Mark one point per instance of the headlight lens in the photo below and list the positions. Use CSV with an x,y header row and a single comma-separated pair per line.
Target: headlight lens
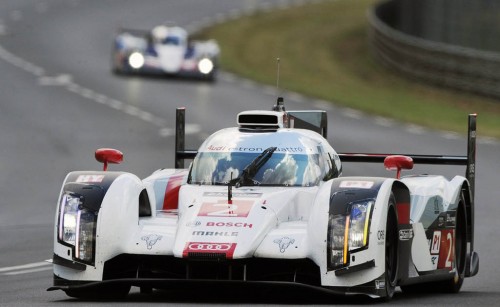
x,y
360,218
77,227
85,243
348,233
336,241
205,66
136,60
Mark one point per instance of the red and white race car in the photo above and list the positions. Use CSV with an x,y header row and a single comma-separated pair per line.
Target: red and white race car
x,y
265,203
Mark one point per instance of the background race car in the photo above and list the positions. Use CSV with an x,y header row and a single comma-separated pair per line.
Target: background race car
x,y
264,204
165,50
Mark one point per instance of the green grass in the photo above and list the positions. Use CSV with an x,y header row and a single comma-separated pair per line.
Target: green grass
x,y
324,53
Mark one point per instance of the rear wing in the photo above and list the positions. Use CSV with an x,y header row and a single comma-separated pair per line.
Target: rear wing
x,y
469,160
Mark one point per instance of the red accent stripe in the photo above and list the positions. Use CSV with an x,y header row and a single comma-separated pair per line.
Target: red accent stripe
x,y
171,199
403,213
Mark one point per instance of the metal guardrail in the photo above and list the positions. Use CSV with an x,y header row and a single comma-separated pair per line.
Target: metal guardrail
x,y
439,63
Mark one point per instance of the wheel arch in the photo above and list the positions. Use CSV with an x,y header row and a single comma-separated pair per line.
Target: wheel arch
x,y
472,258
401,195
469,212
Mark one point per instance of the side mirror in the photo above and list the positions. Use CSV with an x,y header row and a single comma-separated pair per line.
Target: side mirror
x,y
108,155
398,163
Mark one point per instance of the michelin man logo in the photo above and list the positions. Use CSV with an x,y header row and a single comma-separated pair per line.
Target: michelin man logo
x,y
151,240
284,243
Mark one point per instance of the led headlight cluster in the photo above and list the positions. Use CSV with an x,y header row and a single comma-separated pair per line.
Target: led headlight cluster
x,y
348,233
76,227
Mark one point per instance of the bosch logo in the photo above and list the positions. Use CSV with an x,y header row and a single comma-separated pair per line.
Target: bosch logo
x,y
229,224
220,247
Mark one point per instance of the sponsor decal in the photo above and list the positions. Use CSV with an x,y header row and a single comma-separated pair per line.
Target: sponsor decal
x,y
90,178
224,194
379,284
229,224
209,248
381,235
151,240
215,233
238,208
436,242
284,243
258,149
435,260
405,234
360,184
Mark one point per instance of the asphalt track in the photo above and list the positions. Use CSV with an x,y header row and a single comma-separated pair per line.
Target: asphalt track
x,y
59,102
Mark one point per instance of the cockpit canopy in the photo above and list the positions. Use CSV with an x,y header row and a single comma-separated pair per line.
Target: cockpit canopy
x,y
300,158
173,36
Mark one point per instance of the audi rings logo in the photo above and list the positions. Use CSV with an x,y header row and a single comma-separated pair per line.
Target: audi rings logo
x,y
209,248
215,247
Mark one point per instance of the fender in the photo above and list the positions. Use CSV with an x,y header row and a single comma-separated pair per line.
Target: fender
x,y
91,185
116,199
369,264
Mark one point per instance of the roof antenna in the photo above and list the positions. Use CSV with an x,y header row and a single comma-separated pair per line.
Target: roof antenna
x,y
280,105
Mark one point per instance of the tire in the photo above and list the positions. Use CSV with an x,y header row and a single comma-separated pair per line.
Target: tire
x,y
452,285
391,251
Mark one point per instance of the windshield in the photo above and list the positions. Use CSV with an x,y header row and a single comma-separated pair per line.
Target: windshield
x,y
171,40
282,169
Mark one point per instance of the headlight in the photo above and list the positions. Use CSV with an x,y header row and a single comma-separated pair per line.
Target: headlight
x,y
348,233
136,60
337,245
358,230
205,66
77,227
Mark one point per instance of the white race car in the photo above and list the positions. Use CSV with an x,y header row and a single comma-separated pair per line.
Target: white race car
x,y
264,203
165,50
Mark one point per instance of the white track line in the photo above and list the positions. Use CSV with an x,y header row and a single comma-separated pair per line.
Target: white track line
x,y
25,267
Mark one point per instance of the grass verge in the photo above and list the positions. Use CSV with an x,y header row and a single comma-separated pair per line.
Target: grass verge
x,y
324,54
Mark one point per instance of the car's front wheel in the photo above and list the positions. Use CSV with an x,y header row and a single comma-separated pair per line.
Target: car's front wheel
x,y
391,251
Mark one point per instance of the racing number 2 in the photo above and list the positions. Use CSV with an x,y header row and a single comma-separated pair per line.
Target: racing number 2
x,y
239,208
446,256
